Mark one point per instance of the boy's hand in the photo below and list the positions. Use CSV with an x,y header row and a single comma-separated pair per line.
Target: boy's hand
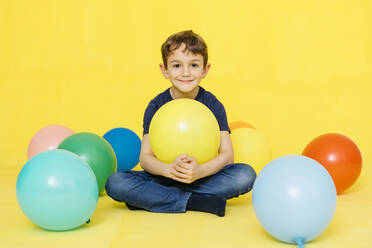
x,y
185,169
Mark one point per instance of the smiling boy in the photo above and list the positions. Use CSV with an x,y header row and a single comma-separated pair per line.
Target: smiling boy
x,y
184,184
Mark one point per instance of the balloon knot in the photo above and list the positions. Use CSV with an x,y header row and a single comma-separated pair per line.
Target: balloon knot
x,y
300,242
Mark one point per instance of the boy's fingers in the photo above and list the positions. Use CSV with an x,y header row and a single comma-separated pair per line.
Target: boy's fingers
x,y
179,162
192,159
182,157
179,175
179,159
185,160
181,180
186,166
182,170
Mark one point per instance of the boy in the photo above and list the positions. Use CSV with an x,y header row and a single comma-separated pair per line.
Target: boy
x,y
184,184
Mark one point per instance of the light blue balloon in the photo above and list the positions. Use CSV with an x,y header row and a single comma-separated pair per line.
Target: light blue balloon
x,y
294,198
57,190
126,145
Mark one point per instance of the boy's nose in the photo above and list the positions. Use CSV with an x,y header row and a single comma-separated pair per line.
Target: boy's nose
x,y
185,71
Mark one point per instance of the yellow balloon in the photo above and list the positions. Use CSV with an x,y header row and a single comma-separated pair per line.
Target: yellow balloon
x,y
184,126
250,147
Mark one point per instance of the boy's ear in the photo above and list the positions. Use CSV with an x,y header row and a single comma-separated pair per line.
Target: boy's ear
x,y
206,69
164,71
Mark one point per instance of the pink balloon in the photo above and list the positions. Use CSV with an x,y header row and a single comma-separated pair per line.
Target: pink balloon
x,y
47,138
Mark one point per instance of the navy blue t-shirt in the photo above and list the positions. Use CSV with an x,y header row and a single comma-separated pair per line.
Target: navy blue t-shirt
x,y
205,97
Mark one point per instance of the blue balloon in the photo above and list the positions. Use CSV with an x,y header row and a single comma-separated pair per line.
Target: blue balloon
x,y
126,145
57,190
294,198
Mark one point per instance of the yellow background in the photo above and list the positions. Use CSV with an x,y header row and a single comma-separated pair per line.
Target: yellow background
x,y
292,69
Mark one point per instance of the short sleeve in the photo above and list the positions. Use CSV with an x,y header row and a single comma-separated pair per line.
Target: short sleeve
x,y
149,113
220,113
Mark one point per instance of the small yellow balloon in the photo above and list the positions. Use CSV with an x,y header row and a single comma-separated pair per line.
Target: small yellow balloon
x,y
250,147
184,126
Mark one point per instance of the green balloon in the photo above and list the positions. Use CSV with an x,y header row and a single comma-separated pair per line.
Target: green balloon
x,y
95,151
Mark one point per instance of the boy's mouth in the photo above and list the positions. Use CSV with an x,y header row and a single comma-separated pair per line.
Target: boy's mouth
x,y
186,81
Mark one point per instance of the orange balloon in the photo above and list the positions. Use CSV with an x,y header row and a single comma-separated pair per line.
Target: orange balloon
x,y
339,155
238,124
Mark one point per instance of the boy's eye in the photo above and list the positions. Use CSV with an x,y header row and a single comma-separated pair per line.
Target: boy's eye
x,y
195,65
176,65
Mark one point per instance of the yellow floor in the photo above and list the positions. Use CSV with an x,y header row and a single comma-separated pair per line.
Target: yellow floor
x,y
113,225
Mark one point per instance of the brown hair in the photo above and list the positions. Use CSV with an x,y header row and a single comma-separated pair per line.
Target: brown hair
x,y
193,43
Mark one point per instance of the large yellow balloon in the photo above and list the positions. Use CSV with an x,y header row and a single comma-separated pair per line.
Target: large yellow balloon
x,y
184,126
250,147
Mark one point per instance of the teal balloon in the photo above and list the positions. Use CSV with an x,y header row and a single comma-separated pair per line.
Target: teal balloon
x,y
95,151
57,190
294,198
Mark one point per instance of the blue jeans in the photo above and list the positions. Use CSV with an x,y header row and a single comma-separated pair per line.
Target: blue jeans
x,y
142,190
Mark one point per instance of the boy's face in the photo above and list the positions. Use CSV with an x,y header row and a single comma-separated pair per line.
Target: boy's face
x,y
185,70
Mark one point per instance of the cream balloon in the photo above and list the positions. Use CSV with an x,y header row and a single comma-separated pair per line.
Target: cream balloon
x,y
250,147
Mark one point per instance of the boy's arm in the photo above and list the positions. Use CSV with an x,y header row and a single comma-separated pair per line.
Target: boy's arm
x,y
149,162
225,157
